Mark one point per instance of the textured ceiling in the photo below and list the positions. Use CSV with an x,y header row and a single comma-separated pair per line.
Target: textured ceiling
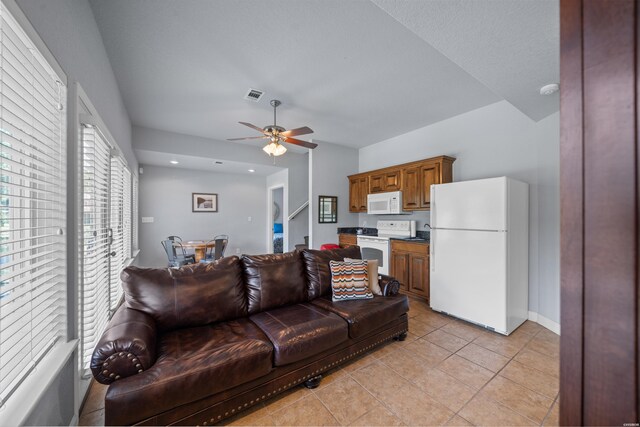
x,y
512,46
354,71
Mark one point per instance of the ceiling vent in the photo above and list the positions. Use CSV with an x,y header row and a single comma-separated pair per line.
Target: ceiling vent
x,y
254,95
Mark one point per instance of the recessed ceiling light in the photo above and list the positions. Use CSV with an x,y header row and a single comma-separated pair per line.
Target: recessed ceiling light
x,y
252,170
174,162
549,89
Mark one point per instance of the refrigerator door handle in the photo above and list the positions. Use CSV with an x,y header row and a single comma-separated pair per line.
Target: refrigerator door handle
x,y
432,206
432,252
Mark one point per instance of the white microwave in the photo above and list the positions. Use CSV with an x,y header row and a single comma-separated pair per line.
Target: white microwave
x,y
385,203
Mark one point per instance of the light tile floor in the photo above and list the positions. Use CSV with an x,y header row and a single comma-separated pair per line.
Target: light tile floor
x,y
447,372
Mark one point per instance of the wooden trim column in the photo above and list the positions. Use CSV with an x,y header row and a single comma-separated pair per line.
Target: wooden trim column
x,y
599,161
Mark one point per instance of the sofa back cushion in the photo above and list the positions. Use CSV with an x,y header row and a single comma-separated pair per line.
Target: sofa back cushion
x,y
194,295
318,271
274,280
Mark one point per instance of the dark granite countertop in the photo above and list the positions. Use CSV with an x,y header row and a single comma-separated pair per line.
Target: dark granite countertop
x,y
421,236
354,230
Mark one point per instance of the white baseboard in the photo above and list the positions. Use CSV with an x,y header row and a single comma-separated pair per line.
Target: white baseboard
x,y
543,321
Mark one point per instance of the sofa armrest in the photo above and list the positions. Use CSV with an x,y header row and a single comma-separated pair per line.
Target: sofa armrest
x,y
389,285
127,346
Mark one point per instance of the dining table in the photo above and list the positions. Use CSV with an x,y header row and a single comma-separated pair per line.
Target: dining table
x,y
199,247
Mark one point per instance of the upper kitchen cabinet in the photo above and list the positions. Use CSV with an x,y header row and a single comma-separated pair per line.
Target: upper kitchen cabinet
x,y
358,191
386,180
413,179
417,178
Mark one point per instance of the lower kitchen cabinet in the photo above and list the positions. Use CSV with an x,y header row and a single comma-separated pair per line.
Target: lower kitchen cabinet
x,y
345,240
410,266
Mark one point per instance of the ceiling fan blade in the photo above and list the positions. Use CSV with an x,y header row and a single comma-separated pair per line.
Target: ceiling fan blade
x,y
252,126
300,142
249,137
295,132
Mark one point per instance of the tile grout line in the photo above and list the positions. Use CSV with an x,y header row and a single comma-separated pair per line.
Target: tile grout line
x,y
522,385
395,414
546,417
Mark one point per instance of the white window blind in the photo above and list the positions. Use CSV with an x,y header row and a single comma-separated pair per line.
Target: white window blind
x,y
120,225
32,206
94,259
134,216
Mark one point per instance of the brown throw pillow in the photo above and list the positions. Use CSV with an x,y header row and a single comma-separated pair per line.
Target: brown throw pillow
x,y
372,273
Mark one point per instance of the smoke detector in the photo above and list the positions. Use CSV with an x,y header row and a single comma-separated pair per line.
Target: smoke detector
x,y
254,95
549,89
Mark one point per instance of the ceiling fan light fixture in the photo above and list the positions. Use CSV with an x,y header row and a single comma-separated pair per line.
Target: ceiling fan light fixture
x,y
274,149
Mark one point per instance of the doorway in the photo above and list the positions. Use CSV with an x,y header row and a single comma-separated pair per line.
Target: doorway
x,y
276,218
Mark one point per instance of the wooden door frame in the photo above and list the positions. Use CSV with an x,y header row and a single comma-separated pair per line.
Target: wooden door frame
x,y
599,183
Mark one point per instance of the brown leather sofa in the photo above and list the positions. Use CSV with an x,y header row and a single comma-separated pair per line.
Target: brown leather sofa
x,y
199,344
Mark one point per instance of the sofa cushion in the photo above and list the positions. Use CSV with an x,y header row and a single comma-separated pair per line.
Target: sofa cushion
x,y
318,271
274,280
365,316
349,280
299,331
190,296
194,363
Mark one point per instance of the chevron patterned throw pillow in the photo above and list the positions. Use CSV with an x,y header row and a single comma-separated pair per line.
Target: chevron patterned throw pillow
x,y
349,280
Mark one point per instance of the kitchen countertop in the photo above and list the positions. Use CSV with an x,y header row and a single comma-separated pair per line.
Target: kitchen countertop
x,y
421,236
354,230
416,239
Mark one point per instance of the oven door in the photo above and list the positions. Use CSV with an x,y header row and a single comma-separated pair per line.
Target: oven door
x,y
375,248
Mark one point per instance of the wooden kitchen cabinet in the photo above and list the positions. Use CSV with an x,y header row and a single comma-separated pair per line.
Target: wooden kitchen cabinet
x,y
418,177
346,240
430,173
411,189
413,179
387,180
358,191
399,268
410,266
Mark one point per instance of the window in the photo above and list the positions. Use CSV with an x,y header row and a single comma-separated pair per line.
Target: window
x,y
134,216
32,206
105,236
94,264
120,225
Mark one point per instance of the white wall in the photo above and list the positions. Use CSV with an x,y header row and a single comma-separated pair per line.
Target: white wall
x,y
329,166
493,141
298,179
165,194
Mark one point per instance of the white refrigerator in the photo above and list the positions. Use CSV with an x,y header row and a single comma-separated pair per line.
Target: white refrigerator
x,y
479,252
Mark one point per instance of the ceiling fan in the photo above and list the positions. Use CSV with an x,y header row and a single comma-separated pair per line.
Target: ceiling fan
x,y
277,134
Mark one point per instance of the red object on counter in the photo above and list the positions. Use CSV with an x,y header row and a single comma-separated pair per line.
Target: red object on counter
x,y
329,246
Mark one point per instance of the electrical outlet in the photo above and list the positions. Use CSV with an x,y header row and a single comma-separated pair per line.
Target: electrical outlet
x,y
237,250
147,219
249,219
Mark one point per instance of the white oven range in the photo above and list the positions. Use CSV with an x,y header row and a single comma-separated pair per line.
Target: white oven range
x,y
379,247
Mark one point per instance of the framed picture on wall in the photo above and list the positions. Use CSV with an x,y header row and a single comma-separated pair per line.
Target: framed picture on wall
x,y
327,209
204,202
